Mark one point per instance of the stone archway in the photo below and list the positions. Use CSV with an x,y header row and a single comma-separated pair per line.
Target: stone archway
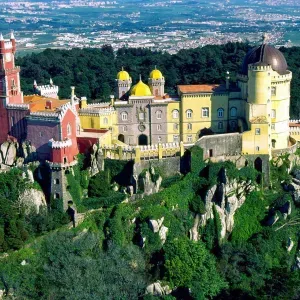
x,y
121,138
143,140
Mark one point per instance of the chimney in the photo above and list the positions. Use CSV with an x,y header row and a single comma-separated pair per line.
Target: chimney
x,y
72,95
112,100
48,104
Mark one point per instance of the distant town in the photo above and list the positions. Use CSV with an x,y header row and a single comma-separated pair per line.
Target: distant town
x,y
159,25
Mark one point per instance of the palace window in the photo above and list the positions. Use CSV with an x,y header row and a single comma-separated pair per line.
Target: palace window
x,y
189,114
159,127
189,126
220,125
220,113
175,138
159,139
205,112
233,112
273,113
56,181
175,114
273,90
273,126
190,138
257,148
257,131
124,128
105,121
41,134
69,129
141,116
158,114
124,116
176,126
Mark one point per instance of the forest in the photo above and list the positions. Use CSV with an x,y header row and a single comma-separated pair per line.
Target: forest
x,y
116,253
93,71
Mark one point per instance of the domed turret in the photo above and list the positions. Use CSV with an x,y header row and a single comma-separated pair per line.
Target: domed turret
x,y
123,75
123,84
156,82
156,74
141,89
265,55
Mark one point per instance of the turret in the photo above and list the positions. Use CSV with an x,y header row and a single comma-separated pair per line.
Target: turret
x,y
123,83
72,95
13,42
156,83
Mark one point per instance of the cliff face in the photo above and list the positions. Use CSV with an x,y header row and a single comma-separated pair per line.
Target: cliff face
x,y
227,196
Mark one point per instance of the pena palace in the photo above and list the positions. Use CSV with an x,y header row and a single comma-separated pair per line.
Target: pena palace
x,y
256,107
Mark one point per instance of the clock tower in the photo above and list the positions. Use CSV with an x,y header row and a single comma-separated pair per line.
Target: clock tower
x,y
10,90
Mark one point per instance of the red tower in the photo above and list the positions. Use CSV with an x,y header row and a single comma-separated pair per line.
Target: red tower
x,y
10,90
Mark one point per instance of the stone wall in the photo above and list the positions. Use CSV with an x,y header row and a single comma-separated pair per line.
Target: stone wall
x,y
220,145
167,167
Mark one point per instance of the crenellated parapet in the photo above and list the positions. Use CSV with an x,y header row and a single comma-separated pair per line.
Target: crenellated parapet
x,y
138,153
96,111
60,144
17,106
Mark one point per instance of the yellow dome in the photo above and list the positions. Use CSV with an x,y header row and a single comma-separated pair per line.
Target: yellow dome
x,y
140,89
156,74
123,75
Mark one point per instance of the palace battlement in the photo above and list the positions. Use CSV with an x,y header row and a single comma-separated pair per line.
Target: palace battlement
x,y
60,144
18,106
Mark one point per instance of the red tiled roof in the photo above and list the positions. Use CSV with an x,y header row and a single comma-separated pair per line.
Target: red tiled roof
x,y
201,88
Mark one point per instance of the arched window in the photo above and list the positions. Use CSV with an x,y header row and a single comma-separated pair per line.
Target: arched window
x,y
105,121
159,127
189,126
233,112
220,113
175,114
124,116
189,114
69,129
158,114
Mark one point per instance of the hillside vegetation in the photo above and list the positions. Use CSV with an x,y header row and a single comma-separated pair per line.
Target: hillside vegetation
x,y
119,250
93,71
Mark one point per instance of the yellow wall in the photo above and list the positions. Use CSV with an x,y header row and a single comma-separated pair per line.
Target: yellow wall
x,y
196,103
170,121
251,140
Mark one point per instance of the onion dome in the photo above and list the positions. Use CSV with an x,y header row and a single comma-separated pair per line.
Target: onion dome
x,y
123,75
140,89
265,55
156,74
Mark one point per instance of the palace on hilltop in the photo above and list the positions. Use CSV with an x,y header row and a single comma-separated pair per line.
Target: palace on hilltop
x,y
249,117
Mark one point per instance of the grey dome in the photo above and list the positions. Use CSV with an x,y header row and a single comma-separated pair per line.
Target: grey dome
x,y
265,55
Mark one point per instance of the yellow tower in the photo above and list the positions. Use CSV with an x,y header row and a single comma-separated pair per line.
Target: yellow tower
x,y
265,80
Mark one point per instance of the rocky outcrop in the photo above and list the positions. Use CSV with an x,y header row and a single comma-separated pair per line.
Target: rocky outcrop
x,y
227,196
32,199
8,152
97,160
156,289
149,182
28,152
158,227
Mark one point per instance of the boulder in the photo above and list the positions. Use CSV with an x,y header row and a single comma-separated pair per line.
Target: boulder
x,y
156,289
290,245
163,233
32,199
